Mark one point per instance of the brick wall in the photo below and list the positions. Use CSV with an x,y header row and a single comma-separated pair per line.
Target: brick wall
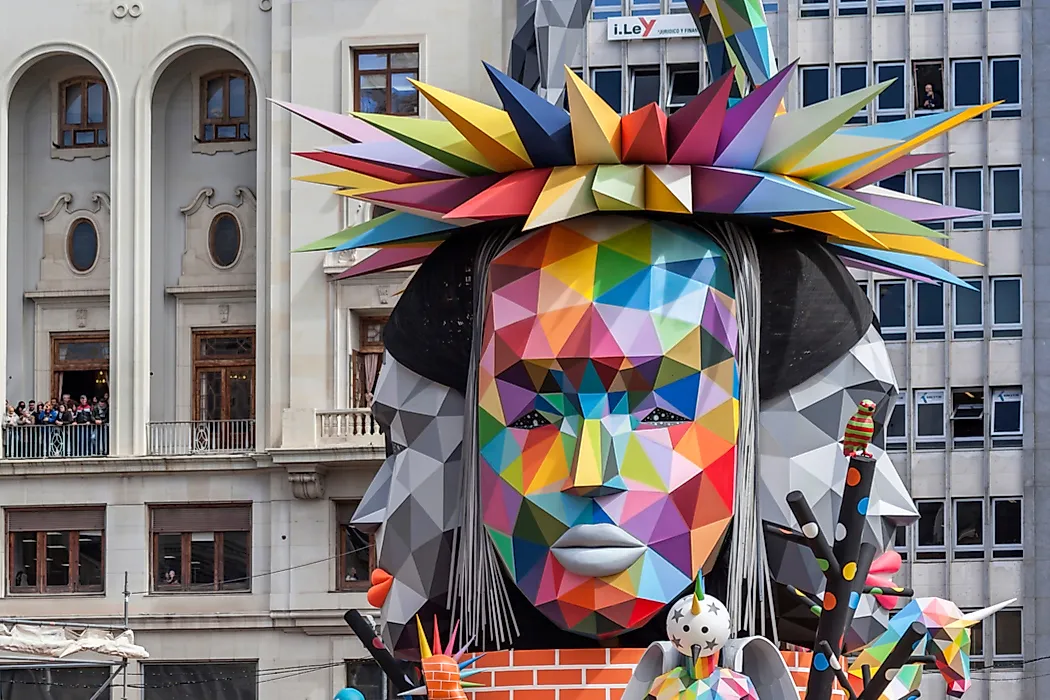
x,y
579,674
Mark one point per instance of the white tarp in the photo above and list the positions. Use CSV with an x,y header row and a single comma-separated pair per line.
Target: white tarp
x,y
60,642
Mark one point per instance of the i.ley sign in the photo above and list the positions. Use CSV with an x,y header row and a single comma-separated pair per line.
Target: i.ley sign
x,y
654,27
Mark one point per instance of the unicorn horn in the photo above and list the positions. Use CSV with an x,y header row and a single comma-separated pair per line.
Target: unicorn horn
x,y
698,593
976,616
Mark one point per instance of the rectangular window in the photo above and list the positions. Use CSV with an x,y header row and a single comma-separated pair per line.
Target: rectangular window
x,y
815,8
645,7
966,4
201,548
891,300
816,84
863,287
1007,417
1008,628
929,545
56,550
645,86
897,425
900,541
608,83
1007,528
1006,307
967,81
381,80
366,676
1006,85
1006,197
890,104
852,7
683,85
927,5
236,679
897,183
969,528
929,419
69,683
929,311
604,9
929,184
853,77
967,418
773,6
356,550
968,193
969,311
889,7
928,78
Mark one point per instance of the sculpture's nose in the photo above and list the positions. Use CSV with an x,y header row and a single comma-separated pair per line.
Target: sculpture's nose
x,y
595,469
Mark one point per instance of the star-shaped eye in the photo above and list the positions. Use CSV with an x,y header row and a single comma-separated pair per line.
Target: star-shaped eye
x,y
530,421
663,416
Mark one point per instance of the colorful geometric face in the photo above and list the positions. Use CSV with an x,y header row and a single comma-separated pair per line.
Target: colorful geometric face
x,y
608,416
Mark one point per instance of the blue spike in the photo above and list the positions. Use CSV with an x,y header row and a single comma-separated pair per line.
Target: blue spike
x,y
468,662
467,674
903,262
544,129
399,227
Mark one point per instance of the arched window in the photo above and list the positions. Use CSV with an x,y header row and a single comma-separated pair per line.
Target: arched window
x,y
225,107
82,245
84,113
224,240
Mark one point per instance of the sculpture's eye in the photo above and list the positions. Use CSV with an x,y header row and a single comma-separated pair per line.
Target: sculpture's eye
x,y
530,421
685,628
662,415
704,630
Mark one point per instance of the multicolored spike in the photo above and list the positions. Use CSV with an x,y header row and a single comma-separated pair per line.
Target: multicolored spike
x,y
443,673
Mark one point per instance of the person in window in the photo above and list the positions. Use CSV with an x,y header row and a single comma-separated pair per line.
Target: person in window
x,y
171,578
352,575
21,579
930,99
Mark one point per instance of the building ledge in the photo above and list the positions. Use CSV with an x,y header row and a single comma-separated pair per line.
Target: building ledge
x,y
115,466
229,290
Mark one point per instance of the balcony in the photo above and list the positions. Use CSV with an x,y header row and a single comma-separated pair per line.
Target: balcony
x,y
55,441
201,437
350,426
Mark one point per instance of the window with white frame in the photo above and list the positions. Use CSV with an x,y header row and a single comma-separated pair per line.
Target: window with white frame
x,y
900,541
1006,85
928,79
929,311
897,183
853,77
608,84
967,80
645,86
967,418
1006,307
968,193
1008,647
815,84
929,419
852,7
897,425
966,4
1007,417
976,644
1006,197
604,9
815,8
927,5
929,539
889,7
969,528
683,85
645,7
891,306
1007,528
929,184
890,104
999,4
968,305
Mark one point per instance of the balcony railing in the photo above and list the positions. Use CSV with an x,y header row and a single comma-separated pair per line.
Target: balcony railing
x,y
55,441
354,427
198,437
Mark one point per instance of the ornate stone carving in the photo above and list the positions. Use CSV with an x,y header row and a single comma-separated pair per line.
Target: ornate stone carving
x,y
307,485
383,295
56,269
82,315
265,5
199,268
224,313
123,9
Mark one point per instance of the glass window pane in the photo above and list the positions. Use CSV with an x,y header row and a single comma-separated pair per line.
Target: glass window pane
x,y
814,85
74,103
891,305
1006,301
977,640
895,183
96,103
404,60
226,133
84,138
931,523
968,192
199,681
169,560
1006,80
966,83
371,61
372,89
685,85
930,185
225,240
896,425
57,563
90,559
404,97
852,78
69,683
969,305
202,559
929,305
83,246
892,98
1007,515
646,88
607,84
1006,191
367,677
214,93
969,523
1006,416
235,574
238,98
929,415
25,561
1008,633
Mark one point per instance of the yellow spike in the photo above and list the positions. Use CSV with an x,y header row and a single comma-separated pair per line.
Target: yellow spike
x,y
347,179
424,648
908,146
595,126
486,128
839,151
695,609
918,245
836,224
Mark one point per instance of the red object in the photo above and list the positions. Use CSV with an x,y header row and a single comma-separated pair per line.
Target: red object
x,y
887,563
381,583
514,195
644,135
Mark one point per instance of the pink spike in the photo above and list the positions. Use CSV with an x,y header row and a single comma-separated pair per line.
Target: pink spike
x,y
437,638
463,650
389,259
452,637
692,131
896,167
344,125
383,172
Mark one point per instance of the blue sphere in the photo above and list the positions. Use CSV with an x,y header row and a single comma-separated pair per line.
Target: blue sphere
x,y
349,694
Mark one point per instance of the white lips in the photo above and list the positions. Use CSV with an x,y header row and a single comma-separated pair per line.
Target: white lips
x,y
597,550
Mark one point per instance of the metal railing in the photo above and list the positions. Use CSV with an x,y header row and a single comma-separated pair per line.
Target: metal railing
x,y
55,441
348,426
177,438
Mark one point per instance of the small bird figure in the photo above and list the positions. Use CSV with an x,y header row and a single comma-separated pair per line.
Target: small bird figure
x,y
859,430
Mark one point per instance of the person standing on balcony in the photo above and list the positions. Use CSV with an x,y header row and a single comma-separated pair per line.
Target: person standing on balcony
x,y
100,417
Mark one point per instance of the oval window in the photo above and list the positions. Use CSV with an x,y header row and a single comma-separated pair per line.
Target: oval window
x,y
82,245
224,240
